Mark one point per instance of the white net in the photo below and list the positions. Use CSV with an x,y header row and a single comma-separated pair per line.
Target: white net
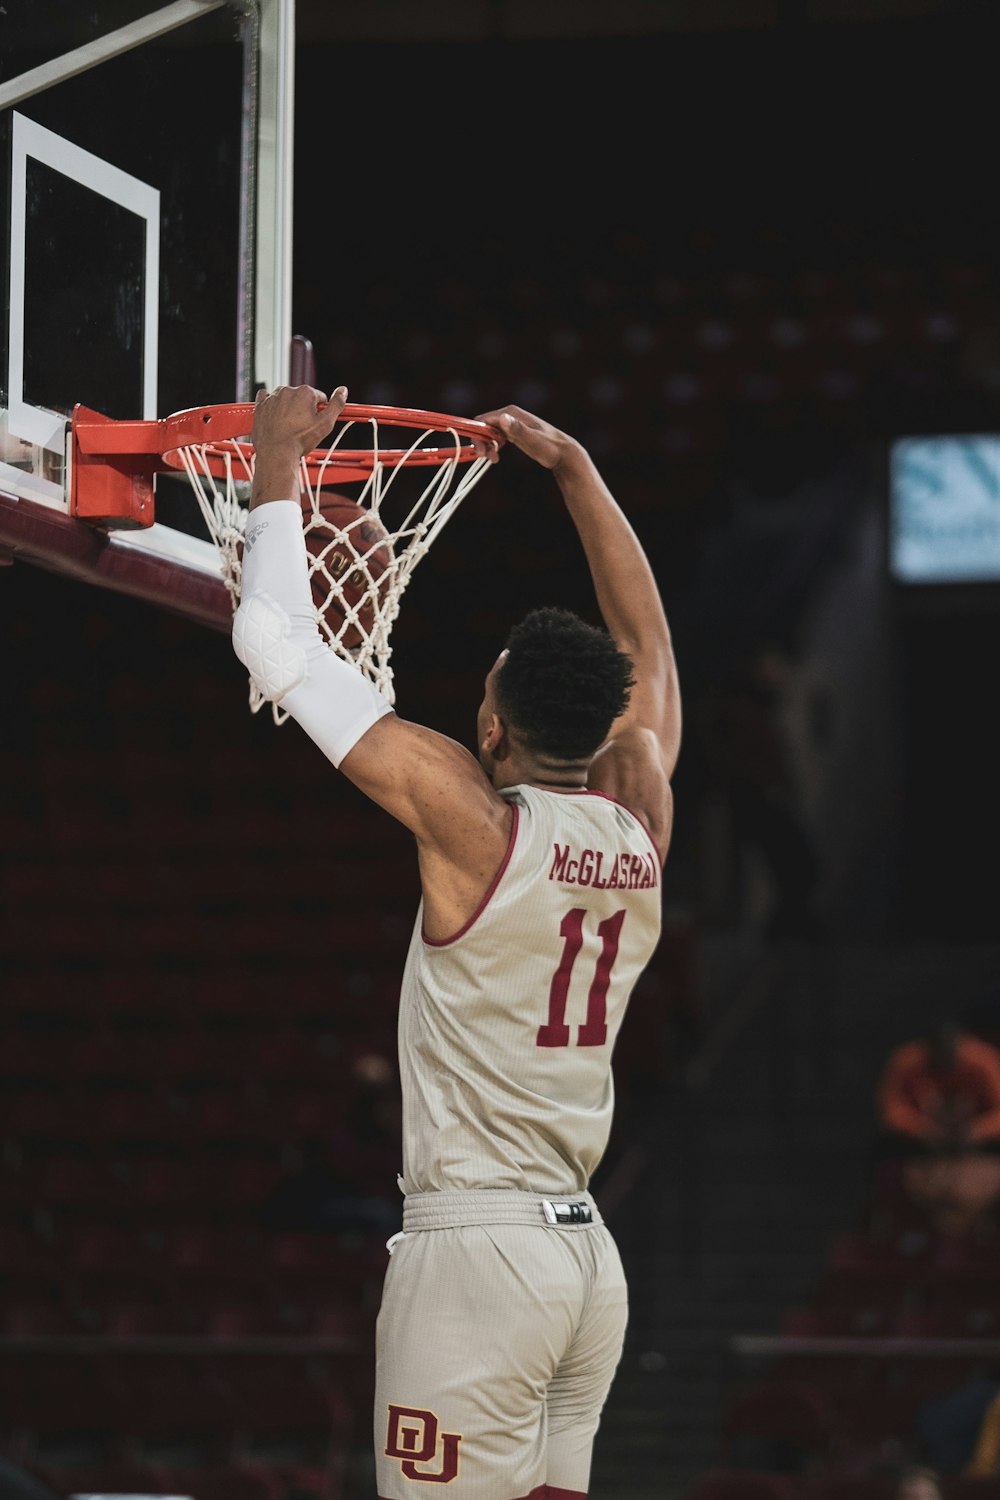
x,y
360,560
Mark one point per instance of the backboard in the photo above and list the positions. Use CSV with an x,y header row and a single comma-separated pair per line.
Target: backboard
x,y
147,166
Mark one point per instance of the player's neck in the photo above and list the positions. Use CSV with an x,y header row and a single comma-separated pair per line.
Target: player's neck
x,y
549,775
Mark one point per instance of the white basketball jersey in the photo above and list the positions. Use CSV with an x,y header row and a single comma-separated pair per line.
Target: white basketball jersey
x,y
506,1031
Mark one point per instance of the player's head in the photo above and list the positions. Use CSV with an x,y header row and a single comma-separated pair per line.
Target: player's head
x,y
556,689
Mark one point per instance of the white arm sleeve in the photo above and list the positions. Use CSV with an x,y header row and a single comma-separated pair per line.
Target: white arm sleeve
x,y
276,637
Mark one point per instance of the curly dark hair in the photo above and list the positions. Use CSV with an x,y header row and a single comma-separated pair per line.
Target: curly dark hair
x,y
563,684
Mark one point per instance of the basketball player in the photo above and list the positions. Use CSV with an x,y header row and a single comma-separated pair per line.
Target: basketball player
x,y
504,1307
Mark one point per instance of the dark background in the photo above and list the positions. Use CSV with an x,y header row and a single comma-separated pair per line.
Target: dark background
x,y
736,249
467,197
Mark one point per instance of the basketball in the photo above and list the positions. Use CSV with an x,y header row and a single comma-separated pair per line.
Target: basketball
x,y
352,552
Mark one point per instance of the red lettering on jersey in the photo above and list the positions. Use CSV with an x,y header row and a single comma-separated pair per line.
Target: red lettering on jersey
x,y
629,871
554,1032
594,1031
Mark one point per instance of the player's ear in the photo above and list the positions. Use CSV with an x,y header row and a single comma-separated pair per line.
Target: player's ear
x,y
495,738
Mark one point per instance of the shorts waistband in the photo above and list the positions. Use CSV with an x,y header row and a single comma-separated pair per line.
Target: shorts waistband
x,y
499,1206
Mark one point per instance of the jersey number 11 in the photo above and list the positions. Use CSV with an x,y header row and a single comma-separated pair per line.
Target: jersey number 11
x,y
594,1030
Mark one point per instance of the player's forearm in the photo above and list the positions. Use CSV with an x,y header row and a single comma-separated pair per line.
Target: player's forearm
x,y
277,638
626,589
275,476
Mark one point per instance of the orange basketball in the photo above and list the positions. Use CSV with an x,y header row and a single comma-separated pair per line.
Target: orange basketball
x,y
353,550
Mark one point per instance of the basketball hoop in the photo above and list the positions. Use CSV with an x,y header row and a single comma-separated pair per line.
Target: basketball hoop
x,y
407,469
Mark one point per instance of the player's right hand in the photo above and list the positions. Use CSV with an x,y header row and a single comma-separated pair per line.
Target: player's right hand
x,y
295,418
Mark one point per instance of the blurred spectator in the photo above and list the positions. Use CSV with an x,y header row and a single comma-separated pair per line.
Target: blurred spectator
x,y
749,766
943,1089
938,1105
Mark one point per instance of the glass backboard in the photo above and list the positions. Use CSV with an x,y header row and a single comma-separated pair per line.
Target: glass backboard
x,y
147,161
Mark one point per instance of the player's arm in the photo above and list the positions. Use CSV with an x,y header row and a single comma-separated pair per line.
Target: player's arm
x,y
433,786
638,759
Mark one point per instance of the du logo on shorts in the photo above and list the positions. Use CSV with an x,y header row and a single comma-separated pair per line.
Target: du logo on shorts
x,y
412,1437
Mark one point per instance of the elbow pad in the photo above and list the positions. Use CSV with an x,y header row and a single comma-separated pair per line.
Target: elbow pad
x,y
276,637
264,642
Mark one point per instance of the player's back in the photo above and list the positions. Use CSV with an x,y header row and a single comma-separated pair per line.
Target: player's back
x,y
507,1029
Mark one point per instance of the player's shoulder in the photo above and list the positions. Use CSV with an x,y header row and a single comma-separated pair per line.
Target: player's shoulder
x,y
431,783
631,770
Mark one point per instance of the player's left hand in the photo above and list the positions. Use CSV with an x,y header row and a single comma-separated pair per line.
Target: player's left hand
x,y
535,437
294,418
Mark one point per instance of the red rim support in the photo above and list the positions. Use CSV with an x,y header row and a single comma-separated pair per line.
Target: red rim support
x,y
113,462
